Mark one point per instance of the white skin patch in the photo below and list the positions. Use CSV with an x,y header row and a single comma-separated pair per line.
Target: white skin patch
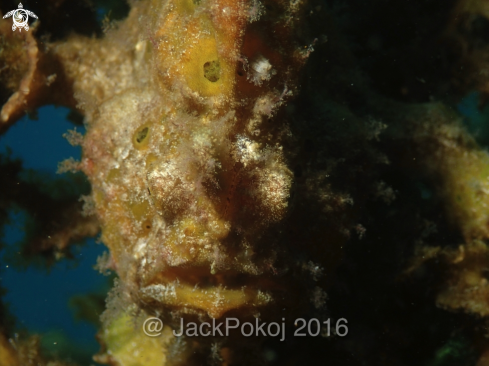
x,y
261,70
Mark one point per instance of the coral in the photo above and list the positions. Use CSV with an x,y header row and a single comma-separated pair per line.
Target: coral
x,y
24,353
467,31
53,210
452,160
29,78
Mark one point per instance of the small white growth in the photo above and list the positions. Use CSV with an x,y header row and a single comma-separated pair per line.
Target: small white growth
x,y
315,270
273,191
140,51
261,70
247,151
68,165
88,207
255,11
264,297
161,293
51,79
125,153
215,356
140,247
73,137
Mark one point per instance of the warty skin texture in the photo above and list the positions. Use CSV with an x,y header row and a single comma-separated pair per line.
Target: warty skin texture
x,y
189,154
188,172
187,165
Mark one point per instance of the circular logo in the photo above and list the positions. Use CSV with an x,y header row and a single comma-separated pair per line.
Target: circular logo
x,y
20,18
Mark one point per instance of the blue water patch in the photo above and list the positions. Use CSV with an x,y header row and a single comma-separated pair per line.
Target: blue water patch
x,y
37,297
40,143
475,118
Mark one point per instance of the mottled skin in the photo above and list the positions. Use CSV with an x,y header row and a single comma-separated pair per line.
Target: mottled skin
x,y
187,165
188,151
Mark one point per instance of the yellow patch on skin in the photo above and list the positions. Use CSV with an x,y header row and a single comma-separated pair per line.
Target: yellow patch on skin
x,y
214,300
466,191
194,69
150,159
8,356
129,345
140,209
185,6
113,175
195,41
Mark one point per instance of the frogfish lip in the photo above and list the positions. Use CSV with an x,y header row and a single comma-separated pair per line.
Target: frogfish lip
x,y
213,294
203,266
